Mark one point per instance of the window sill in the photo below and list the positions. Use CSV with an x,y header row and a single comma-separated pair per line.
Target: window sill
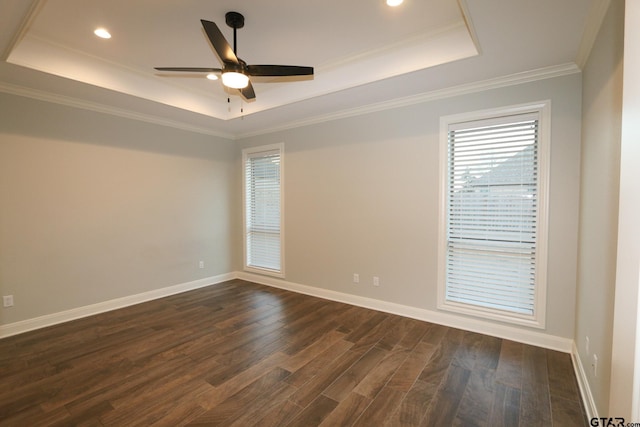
x,y
264,271
490,314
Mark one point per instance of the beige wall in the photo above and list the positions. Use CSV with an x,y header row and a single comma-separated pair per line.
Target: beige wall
x,y
99,207
601,121
95,207
361,196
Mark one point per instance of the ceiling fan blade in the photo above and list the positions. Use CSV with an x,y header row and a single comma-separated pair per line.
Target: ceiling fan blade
x,y
220,44
279,70
248,93
190,69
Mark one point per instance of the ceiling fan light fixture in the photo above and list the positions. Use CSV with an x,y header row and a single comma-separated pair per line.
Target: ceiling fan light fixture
x,y
235,80
394,3
102,33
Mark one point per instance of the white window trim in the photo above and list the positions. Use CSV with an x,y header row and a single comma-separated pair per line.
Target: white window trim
x,y
245,154
538,319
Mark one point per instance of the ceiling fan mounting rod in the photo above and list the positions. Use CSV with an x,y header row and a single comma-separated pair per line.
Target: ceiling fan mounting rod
x,y
235,20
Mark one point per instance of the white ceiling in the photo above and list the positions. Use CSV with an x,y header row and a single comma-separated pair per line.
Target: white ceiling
x,y
365,54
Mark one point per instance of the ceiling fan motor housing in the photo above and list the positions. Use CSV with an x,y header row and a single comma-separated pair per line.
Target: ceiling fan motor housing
x,y
234,20
240,67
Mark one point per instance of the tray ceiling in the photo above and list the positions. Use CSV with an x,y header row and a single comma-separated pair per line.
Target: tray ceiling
x,y
363,52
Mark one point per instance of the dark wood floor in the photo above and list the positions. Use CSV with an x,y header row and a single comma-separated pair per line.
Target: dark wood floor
x,y
243,354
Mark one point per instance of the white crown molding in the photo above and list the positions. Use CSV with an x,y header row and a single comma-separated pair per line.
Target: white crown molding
x,y
394,46
597,12
101,307
466,15
495,83
583,384
514,333
30,16
451,42
50,57
68,101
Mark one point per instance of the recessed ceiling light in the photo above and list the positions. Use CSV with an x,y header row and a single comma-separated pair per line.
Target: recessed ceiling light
x,y
212,76
102,33
394,3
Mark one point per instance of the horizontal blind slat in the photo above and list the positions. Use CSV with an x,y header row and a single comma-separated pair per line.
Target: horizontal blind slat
x,y
262,178
492,213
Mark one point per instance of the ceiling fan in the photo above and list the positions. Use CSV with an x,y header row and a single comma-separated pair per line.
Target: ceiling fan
x,y
235,72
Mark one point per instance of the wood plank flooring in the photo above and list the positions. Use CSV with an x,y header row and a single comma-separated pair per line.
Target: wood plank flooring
x,y
241,354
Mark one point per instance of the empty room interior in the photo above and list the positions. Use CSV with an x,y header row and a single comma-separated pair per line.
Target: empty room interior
x,y
428,215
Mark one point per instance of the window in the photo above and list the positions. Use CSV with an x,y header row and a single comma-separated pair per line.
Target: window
x,y
263,236
494,171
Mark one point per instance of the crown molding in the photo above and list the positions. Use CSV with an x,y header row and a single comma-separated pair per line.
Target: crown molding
x,y
495,83
466,15
105,109
29,17
597,12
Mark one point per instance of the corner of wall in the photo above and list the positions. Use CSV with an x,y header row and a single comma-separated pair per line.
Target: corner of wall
x,y
23,326
583,384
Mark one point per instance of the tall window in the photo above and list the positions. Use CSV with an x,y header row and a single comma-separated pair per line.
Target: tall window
x,y
493,240
263,234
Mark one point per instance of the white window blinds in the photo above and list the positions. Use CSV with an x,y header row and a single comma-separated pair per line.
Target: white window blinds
x,y
492,213
262,180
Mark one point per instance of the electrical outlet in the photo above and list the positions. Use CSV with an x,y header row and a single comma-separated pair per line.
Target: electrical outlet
x,y
201,264
356,278
376,281
594,365
586,344
7,301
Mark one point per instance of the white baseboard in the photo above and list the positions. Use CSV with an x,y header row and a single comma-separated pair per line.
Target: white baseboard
x,y
513,333
583,384
501,331
488,328
89,310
